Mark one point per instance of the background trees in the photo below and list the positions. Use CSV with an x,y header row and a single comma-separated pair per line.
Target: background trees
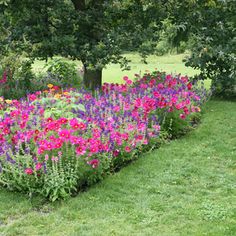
x,y
97,32
211,26
214,45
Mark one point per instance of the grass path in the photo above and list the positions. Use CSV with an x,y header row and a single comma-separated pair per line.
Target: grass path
x,y
187,187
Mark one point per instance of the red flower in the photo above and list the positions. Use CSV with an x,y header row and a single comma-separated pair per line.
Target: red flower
x,y
189,85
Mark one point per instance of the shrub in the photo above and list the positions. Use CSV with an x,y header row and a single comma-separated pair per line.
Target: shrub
x,y
162,48
64,72
17,77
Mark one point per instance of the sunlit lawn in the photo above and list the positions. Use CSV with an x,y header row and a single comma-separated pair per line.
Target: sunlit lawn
x,y
184,188
113,73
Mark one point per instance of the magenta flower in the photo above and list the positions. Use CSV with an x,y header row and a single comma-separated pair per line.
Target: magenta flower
x,y
94,163
29,171
38,166
127,149
64,134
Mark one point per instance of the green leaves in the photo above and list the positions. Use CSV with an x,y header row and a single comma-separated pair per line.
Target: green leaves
x,y
4,2
55,107
211,27
95,32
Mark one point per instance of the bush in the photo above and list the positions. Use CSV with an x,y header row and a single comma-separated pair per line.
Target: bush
x,y
65,73
162,48
21,80
17,77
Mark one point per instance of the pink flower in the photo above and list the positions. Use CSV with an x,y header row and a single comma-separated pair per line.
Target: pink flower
x,y
74,124
63,120
94,163
38,166
82,126
49,146
75,140
156,94
87,96
145,141
116,109
94,149
22,125
116,153
157,127
184,79
189,86
56,87
56,159
178,106
125,78
29,171
60,154
32,97
80,150
64,134
125,136
41,150
58,144
127,149
160,86
182,116
129,82
46,157
50,119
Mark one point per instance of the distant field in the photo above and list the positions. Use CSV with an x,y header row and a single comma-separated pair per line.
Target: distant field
x,y
168,63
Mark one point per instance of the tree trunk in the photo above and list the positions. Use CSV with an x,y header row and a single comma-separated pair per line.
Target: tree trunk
x,y
79,4
92,78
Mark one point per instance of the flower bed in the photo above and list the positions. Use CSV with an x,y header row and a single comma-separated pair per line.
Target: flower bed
x,y
56,142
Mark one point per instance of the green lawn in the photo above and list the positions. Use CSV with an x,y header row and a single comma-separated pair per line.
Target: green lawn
x,y
168,63
113,73
187,187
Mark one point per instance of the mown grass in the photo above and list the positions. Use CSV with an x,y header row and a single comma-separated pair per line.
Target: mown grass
x,y
113,74
169,63
187,187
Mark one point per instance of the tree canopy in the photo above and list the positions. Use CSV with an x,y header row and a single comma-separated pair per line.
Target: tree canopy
x,y
97,32
94,31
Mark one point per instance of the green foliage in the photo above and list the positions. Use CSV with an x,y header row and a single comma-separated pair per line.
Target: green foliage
x,y
19,76
214,45
162,48
171,38
56,107
177,127
217,62
94,32
66,73
134,201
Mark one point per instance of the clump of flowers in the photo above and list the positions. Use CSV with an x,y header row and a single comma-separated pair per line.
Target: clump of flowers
x,y
56,141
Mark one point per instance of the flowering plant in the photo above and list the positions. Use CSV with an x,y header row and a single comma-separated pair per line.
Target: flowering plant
x,y
56,142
